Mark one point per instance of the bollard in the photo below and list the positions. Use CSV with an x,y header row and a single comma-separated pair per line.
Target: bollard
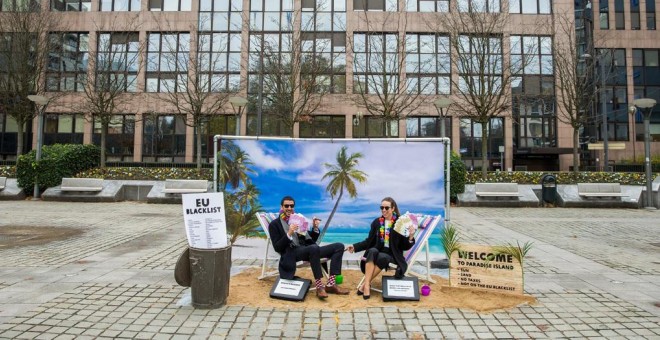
x,y
210,273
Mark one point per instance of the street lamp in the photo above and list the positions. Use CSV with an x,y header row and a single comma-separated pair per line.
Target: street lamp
x,y
442,104
646,105
356,120
238,104
41,102
603,104
632,110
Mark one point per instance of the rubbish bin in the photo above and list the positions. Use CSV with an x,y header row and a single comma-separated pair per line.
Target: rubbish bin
x,y
209,277
549,188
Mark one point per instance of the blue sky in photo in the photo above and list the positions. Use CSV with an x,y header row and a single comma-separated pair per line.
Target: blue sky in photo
x,y
409,172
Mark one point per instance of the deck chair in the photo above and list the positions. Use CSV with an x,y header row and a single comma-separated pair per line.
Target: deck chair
x,y
427,224
264,220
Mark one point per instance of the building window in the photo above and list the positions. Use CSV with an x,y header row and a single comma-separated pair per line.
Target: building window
x,y
480,63
650,14
425,126
531,55
471,136
634,15
167,62
71,5
428,64
164,138
324,55
375,66
482,6
536,121
219,45
19,6
120,5
323,16
376,127
376,5
271,15
67,61
619,16
614,62
120,137
221,124
530,6
427,6
118,61
8,135
271,125
63,128
604,14
324,127
169,5
646,77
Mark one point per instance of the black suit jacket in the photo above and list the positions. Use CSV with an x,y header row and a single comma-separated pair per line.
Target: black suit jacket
x,y
398,244
285,247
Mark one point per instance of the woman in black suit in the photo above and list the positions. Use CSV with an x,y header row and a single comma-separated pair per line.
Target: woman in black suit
x,y
383,246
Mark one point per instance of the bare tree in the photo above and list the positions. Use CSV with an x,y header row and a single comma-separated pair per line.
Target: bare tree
x,y
575,85
184,70
24,52
385,60
483,81
294,71
111,83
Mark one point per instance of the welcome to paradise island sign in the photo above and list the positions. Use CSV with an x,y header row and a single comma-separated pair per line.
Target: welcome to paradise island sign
x,y
481,267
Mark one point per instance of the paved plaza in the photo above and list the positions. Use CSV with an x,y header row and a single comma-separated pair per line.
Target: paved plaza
x,y
107,272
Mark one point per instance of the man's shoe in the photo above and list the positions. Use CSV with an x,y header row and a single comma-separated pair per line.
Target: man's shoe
x,y
321,294
336,290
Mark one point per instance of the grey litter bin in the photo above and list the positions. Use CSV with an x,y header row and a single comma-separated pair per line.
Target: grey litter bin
x,y
549,188
209,277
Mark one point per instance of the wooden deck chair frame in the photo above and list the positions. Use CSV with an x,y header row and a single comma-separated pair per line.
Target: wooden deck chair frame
x,y
264,220
427,224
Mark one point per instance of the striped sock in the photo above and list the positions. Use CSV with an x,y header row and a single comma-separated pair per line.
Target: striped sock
x,y
331,280
319,284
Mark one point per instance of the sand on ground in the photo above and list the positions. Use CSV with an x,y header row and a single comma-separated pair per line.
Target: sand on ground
x,y
246,290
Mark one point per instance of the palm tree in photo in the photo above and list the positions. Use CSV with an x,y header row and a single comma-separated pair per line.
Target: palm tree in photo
x,y
242,207
235,167
343,176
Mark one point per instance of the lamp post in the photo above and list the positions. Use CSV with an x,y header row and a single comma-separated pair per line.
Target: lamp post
x,y
41,102
646,105
633,109
603,104
238,104
442,104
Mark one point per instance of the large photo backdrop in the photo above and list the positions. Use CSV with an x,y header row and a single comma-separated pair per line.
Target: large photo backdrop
x,y
349,177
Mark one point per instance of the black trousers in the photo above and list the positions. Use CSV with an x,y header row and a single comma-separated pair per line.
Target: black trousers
x,y
314,253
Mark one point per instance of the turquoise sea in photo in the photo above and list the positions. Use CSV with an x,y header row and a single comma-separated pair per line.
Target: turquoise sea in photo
x,y
353,237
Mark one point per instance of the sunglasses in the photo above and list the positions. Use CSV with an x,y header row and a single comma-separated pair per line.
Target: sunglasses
x,y
288,205
386,208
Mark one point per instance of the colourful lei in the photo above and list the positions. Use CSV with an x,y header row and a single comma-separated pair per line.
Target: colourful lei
x,y
385,231
284,217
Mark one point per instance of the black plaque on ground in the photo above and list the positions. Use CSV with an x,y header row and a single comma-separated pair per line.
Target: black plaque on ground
x,y
404,289
292,290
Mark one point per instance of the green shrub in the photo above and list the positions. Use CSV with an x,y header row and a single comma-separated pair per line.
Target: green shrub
x,y
57,161
533,177
457,176
8,171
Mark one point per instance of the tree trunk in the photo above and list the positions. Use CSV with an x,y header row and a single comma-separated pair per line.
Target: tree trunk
x,y
332,213
484,150
20,137
104,134
198,136
576,157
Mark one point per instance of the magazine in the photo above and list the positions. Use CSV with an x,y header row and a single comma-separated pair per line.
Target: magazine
x,y
404,222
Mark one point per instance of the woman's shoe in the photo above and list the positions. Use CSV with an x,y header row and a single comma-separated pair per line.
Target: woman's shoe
x,y
359,292
366,297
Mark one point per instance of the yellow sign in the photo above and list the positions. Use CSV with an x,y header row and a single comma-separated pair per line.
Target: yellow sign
x,y
478,266
610,146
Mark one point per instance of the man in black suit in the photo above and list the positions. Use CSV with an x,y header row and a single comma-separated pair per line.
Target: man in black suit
x,y
294,247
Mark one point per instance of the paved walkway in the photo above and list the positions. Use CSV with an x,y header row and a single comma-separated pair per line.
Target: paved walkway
x,y
596,274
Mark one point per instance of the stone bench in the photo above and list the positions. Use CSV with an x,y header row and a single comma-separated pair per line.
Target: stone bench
x,y
3,182
509,190
612,190
82,184
185,186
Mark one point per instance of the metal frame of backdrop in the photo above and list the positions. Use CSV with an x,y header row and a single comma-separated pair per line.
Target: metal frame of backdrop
x,y
446,141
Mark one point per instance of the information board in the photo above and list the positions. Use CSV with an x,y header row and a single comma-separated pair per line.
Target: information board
x,y
478,266
204,219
